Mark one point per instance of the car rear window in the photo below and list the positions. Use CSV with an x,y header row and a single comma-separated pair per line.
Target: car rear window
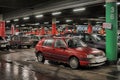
x,y
48,42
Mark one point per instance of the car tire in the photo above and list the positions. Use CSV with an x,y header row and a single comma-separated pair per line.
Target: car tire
x,y
19,46
40,58
28,46
74,63
7,48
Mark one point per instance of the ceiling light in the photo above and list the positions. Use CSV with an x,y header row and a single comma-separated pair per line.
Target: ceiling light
x,y
79,9
8,21
68,20
39,16
23,25
56,13
37,23
17,25
46,22
16,19
26,18
85,23
118,3
102,17
98,22
57,21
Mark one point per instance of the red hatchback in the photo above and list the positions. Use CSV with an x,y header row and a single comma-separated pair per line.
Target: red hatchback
x,y
72,51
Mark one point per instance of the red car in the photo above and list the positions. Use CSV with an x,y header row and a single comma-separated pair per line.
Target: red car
x,y
72,51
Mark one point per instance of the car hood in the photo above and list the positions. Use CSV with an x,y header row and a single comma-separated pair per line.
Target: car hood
x,y
86,50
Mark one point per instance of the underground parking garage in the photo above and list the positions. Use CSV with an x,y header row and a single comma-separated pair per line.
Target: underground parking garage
x,y
63,40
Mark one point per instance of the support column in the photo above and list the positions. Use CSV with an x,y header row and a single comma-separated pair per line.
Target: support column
x,y
54,31
111,34
2,26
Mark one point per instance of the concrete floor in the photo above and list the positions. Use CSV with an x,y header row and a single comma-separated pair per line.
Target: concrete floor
x,y
21,64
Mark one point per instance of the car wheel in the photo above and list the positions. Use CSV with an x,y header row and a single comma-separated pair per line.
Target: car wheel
x,y
7,48
28,47
40,58
19,46
74,63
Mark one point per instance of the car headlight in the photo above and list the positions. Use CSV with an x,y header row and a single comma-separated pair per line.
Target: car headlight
x,y
90,56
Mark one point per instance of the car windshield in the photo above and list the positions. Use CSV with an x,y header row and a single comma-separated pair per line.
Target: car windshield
x,y
76,42
96,38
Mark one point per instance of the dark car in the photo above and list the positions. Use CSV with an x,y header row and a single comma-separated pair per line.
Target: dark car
x,y
69,50
93,40
20,40
4,44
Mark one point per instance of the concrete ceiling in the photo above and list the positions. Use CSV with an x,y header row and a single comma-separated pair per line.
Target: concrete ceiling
x,y
12,5
12,9
21,8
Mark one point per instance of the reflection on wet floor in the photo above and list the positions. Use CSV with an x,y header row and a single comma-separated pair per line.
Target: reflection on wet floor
x,y
9,71
27,68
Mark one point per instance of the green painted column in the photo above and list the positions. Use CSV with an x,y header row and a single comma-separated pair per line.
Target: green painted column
x,y
111,34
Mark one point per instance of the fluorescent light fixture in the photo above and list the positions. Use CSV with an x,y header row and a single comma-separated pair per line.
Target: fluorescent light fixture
x,y
56,13
46,22
17,25
26,18
16,19
39,16
98,22
85,23
37,23
102,17
118,3
68,20
23,25
57,21
79,9
8,21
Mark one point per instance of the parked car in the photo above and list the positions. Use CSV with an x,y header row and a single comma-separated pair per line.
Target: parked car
x,y
72,51
93,41
4,44
35,39
20,40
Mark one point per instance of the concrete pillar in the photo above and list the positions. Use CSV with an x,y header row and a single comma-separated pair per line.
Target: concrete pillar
x,y
54,31
111,34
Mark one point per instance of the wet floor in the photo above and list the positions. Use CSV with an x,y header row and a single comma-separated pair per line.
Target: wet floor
x,y
22,65
10,71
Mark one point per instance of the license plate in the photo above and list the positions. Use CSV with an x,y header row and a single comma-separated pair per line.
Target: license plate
x,y
101,59
3,45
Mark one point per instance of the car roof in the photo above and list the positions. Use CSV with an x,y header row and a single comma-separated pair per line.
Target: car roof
x,y
63,37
